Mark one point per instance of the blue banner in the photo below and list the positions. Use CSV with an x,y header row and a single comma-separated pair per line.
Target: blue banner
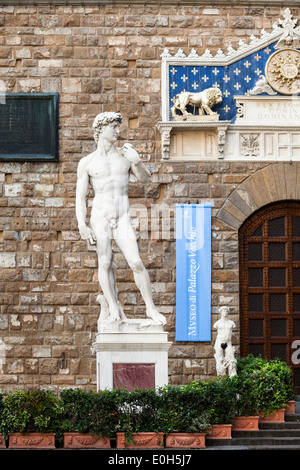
x,y
193,272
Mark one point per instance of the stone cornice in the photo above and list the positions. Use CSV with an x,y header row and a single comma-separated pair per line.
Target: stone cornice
x,y
228,3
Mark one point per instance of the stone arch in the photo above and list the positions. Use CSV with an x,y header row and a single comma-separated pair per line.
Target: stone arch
x,y
275,182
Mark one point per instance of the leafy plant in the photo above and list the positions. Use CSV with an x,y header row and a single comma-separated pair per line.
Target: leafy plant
x,y
265,385
90,412
220,400
182,410
246,394
260,385
285,376
32,410
249,363
138,411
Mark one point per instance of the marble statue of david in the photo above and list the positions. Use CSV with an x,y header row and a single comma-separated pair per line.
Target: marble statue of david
x,y
108,170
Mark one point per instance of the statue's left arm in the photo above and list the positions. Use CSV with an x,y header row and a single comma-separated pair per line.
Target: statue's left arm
x,y
137,167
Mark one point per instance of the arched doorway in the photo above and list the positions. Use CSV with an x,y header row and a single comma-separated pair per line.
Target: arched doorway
x,y
269,242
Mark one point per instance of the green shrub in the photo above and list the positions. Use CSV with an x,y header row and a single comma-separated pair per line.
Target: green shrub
x,y
182,409
260,385
89,411
267,385
246,394
285,376
30,411
219,399
249,363
1,407
138,411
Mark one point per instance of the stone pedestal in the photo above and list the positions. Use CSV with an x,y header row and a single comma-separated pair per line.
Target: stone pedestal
x,y
131,353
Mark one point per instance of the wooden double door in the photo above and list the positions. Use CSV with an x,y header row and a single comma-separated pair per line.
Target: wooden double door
x,y
269,244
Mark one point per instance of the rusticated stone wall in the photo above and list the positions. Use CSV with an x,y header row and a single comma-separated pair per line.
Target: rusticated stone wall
x,y
104,58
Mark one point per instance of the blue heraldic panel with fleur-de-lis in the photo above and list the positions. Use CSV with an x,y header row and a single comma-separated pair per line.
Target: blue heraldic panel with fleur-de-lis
x,y
237,78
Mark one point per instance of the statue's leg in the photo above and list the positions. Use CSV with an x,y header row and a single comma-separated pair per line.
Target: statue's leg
x,y
219,357
200,110
184,103
207,109
126,240
105,266
173,109
231,361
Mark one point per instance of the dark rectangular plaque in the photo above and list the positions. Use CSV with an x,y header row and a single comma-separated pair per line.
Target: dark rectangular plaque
x,y
29,127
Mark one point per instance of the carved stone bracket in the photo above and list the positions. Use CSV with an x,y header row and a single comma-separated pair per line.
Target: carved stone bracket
x,y
220,128
222,140
240,109
165,142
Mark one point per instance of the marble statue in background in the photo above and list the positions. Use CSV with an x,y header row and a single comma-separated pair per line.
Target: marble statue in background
x,y
224,351
108,170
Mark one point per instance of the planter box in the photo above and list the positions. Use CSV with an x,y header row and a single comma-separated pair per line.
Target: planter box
x,y
245,423
141,440
220,431
290,408
76,440
276,417
32,440
187,440
2,442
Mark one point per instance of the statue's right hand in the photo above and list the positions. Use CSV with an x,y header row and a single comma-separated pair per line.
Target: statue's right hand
x,y
87,234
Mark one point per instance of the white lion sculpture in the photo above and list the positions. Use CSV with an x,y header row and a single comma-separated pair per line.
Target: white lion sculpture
x,y
204,100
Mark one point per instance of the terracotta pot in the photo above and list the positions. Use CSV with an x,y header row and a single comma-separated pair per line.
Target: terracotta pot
x,y
141,440
219,431
245,423
2,442
290,408
76,440
187,440
32,440
276,417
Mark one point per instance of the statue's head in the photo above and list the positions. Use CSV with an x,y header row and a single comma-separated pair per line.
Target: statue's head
x,y
103,119
224,311
218,96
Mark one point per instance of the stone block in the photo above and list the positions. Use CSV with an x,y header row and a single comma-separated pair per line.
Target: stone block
x,y
279,177
211,11
13,190
7,260
57,63
291,181
41,351
31,366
